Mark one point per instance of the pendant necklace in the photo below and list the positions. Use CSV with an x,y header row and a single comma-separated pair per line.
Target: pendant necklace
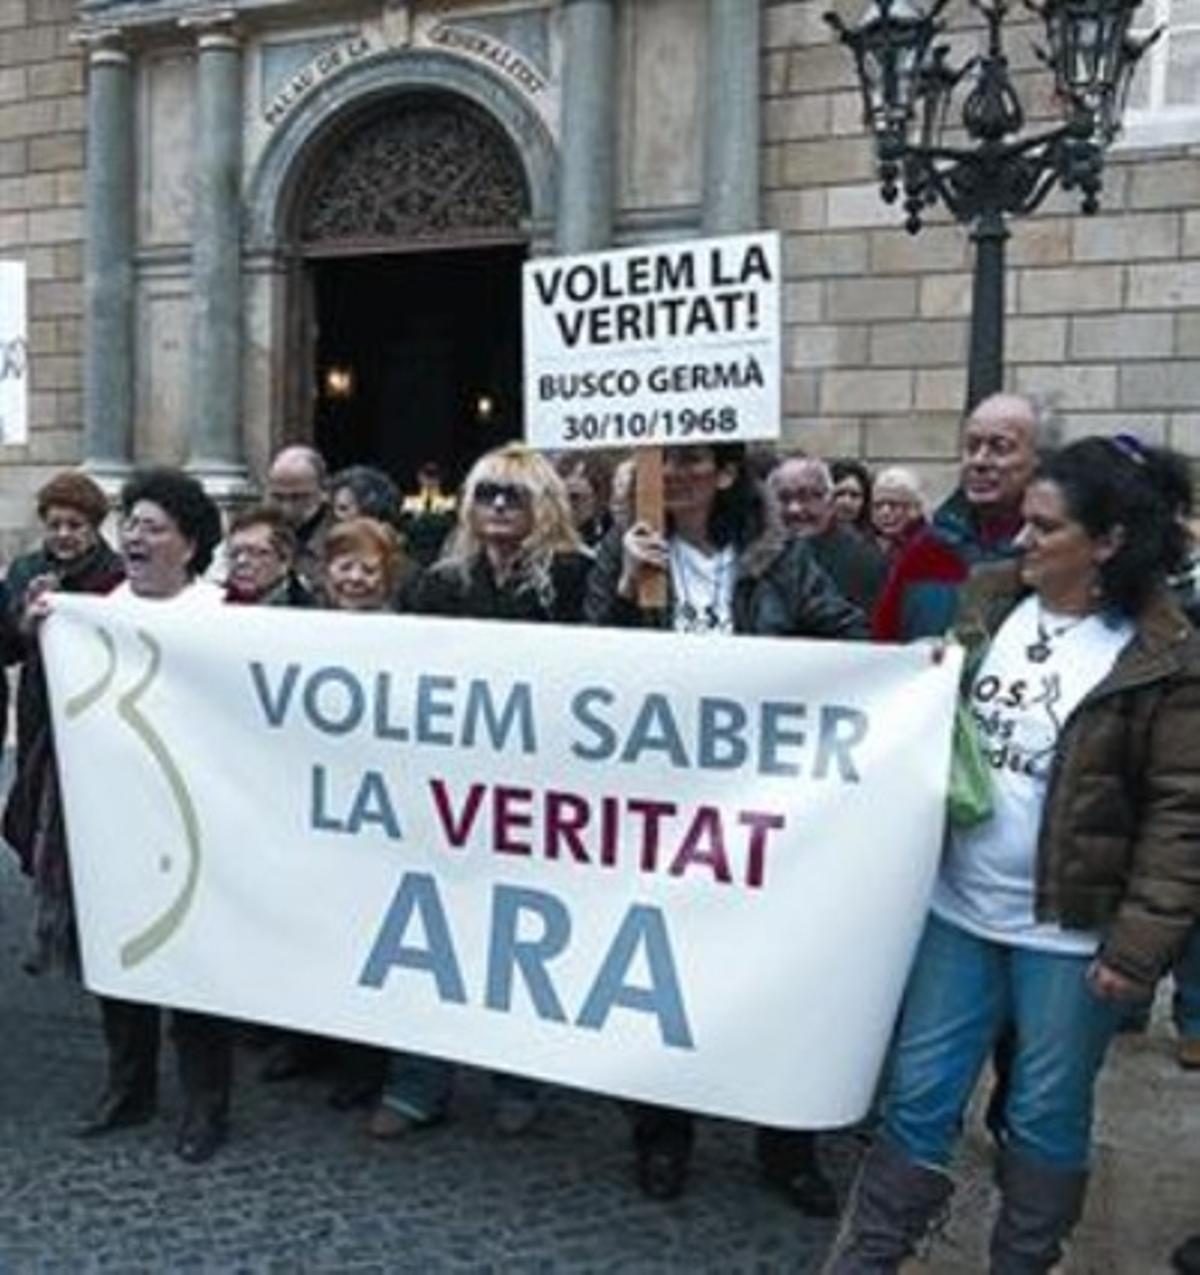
x,y
697,619
1040,651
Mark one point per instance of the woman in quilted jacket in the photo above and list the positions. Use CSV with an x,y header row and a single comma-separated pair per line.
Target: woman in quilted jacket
x,y
1073,897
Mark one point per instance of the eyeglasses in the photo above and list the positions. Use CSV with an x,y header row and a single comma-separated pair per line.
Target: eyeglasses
x,y
802,495
254,553
513,494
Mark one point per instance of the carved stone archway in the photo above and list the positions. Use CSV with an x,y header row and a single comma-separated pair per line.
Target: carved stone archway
x,y
421,170
331,112
283,233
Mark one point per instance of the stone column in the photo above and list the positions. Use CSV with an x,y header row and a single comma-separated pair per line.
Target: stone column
x,y
215,442
732,113
586,186
108,264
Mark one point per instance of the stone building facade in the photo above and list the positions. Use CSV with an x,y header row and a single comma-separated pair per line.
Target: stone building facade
x,y
1102,311
42,125
267,184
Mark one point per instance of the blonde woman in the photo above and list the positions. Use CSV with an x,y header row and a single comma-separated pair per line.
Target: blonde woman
x,y
515,555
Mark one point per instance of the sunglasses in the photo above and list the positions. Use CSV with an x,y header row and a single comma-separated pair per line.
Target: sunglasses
x,y
512,494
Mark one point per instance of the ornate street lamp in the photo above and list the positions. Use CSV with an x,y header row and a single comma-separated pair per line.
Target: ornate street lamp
x,y
908,88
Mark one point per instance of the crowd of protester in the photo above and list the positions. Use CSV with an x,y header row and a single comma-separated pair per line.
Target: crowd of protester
x,y
1069,574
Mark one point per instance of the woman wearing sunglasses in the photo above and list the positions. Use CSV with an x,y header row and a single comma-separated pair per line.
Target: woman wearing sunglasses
x,y
515,555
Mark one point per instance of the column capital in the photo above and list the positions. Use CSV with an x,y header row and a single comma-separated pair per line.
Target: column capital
x,y
216,29
103,45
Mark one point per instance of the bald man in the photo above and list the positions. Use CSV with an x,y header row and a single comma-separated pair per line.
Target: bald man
x,y
978,523
296,487
800,492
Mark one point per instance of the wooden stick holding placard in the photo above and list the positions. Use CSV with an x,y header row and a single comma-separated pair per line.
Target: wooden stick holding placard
x,y
652,588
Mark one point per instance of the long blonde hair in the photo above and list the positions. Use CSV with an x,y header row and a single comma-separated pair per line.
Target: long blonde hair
x,y
553,529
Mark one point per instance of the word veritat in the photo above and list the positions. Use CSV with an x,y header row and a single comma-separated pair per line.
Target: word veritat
x,y
654,295
640,833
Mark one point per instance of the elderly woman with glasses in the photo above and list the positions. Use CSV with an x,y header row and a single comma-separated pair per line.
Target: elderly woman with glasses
x,y
261,551
897,510
515,555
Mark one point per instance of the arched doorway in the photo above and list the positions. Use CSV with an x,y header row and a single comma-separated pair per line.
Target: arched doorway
x,y
410,225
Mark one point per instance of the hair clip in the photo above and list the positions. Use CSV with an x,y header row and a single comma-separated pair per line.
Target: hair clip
x,y
1131,447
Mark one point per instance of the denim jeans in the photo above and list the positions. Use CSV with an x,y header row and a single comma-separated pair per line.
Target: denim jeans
x,y
1186,1005
962,992
419,1086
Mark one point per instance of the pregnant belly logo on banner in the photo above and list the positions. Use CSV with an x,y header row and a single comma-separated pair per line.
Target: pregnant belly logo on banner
x,y
148,940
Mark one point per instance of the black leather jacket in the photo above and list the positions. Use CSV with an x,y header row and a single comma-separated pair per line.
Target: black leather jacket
x,y
779,590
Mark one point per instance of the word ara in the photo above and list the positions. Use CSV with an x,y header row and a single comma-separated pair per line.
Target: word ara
x,y
416,938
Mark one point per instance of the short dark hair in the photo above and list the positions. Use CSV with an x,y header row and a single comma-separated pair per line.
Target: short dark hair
x,y
852,469
1146,491
283,537
597,469
374,492
73,489
858,470
187,504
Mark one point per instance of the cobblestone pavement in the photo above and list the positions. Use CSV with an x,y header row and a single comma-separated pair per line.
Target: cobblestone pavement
x,y
300,1188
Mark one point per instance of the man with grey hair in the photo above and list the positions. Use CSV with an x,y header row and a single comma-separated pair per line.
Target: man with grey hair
x,y
296,487
800,494
978,523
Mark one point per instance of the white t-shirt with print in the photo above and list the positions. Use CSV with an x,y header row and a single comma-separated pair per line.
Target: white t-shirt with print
x,y
701,588
200,592
1020,703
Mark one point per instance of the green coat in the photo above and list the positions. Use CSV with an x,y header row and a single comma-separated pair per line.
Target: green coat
x,y
1119,845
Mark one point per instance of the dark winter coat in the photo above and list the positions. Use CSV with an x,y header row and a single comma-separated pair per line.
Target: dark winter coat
x,y
779,590
442,590
1119,846
33,815
98,571
855,565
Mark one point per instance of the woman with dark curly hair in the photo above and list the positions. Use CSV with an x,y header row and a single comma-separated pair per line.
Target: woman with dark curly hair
x,y
852,490
1083,678
169,530
729,570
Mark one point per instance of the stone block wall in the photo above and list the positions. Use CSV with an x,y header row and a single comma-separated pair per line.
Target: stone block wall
x,y
42,121
1103,311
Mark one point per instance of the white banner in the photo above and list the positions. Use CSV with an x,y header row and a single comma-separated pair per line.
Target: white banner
x,y
686,871
14,354
660,344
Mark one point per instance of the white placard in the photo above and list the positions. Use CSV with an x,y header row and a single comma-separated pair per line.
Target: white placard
x,y
682,871
14,369
655,345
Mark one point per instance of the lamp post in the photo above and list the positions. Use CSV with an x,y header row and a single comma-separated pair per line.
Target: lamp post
x,y
908,89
